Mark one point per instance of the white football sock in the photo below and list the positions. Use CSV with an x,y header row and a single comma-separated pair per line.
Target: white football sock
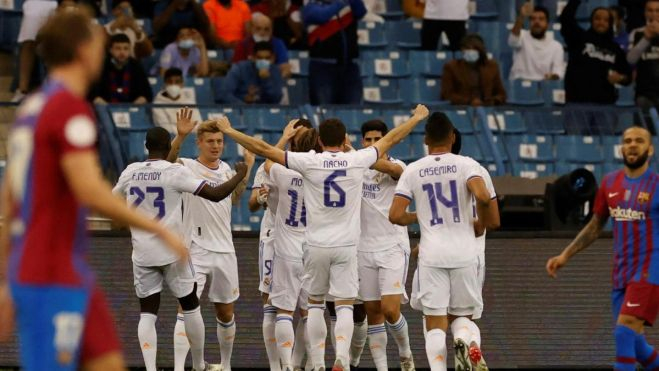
x,y
358,341
196,331
181,344
317,333
269,317
146,333
226,334
475,333
461,329
343,333
285,338
377,342
436,349
300,346
400,334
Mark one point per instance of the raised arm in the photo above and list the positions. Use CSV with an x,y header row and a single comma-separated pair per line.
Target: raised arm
x,y
398,213
585,238
184,125
399,133
252,144
225,189
570,29
242,185
390,168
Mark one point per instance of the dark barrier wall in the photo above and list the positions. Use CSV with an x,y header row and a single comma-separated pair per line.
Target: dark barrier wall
x,y
529,321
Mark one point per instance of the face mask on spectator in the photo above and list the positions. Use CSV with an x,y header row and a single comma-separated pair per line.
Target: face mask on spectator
x,y
186,44
470,55
173,90
262,64
258,38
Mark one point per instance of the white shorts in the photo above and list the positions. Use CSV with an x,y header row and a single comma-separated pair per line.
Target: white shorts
x,y
179,276
288,290
266,254
442,291
35,15
478,312
331,270
382,273
221,268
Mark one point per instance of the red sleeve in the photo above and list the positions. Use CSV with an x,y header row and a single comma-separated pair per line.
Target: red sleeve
x,y
247,14
72,123
239,53
601,208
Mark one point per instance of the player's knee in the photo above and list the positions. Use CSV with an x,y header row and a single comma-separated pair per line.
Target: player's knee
x,y
632,322
320,299
359,313
190,301
150,304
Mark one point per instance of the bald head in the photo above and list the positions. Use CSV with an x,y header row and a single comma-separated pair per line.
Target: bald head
x,y
261,27
636,147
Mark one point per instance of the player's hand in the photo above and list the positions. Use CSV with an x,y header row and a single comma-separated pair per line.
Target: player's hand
x,y
174,243
262,197
290,130
6,313
554,264
421,112
615,78
223,124
241,168
249,157
184,122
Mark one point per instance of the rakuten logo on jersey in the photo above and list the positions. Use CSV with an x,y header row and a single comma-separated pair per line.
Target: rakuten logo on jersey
x,y
623,215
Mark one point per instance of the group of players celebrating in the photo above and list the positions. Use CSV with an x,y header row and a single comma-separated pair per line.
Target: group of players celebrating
x,y
333,232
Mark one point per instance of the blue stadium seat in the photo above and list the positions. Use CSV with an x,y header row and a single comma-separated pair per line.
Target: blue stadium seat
x,y
130,117
563,168
507,121
352,117
145,23
270,119
417,147
133,144
233,114
500,146
545,121
612,147
379,90
507,10
403,151
553,92
392,9
524,93
579,149
424,63
299,61
494,33
471,148
232,151
530,148
533,170
203,90
189,147
298,91
555,32
626,96
10,24
421,90
461,120
15,5
405,34
485,9
383,63
371,35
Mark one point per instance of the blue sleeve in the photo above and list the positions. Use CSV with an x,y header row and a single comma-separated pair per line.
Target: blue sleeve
x,y
271,89
318,13
281,53
358,9
231,84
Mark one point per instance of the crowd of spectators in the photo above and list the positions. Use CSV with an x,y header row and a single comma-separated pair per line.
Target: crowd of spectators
x,y
620,45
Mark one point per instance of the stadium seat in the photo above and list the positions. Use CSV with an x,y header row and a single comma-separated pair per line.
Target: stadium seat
x,y
379,90
494,33
299,61
524,93
500,146
424,63
145,23
270,119
189,147
545,121
461,120
202,88
130,117
133,144
233,114
352,117
563,168
390,9
297,90
405,34
12,5
371,35
533,170
507,121
530,148
421,90
579,149
471,148
485,9
626,96
612,147
403,151
553,92
383,63
507,10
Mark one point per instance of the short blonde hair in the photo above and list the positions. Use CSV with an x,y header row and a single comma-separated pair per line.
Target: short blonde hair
x,y
207,127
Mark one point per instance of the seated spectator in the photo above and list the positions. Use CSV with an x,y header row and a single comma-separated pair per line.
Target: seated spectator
x,y
123,79
536,56
596,63
644,53
173,93
286,19
229,18
172,15
124,22
620,34
473,80
254,81
414,8
262,31
188,53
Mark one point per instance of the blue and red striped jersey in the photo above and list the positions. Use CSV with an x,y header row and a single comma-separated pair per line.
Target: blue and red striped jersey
x,y
634,209
48,227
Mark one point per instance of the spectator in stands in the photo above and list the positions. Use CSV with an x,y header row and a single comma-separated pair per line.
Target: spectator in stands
x,y
124,22
474,79
173,93
334,76
444,16
620,34
536,56
172,15
261,29
230,19
286,19
123,79
35,14
188,53
645,55
257,80
414,8
596,63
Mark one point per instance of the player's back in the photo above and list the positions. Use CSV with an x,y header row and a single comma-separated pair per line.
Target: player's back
x,y
156,188
291,221
332,193
48,228
438,184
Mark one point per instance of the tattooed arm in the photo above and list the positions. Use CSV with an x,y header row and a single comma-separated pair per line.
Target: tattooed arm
x,y
585,238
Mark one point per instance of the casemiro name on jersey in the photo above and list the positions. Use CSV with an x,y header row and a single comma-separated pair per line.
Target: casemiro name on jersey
x,y
438,170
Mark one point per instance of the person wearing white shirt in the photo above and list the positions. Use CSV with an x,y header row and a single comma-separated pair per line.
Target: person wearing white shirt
x,y
443,186
444,16
536,55
173,93
332,184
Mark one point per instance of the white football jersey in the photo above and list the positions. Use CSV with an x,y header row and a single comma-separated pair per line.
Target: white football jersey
x,y
444,206
156,187
490,187
378,233
332,193
261,179
291,220
209,223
